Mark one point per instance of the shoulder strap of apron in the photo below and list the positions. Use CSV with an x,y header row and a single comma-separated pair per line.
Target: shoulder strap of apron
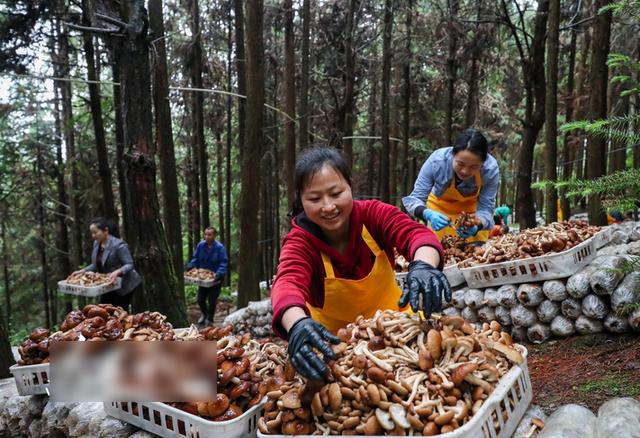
x,y
366,236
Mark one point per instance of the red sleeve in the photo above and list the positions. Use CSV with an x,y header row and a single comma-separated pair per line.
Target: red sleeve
x,y
293,280
397,230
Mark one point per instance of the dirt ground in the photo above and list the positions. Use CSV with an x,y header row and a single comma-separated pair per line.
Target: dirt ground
x,y
587,370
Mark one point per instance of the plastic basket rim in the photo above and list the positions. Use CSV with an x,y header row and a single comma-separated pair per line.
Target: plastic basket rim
x,y
86,290
18,371
496,397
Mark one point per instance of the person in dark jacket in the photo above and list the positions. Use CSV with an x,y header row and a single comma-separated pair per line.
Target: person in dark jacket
x,y
112,256
209,254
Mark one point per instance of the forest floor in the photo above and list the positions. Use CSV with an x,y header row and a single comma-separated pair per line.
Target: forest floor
x,y
586,370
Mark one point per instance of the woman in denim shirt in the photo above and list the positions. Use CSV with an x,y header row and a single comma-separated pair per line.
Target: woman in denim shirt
x,y
456,179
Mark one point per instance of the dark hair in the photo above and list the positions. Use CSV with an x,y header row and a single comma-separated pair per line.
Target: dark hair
x,y
103,224
472,140
311,162
211,228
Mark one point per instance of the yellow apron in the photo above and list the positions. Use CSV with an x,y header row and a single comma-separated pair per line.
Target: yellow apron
x,y
559,210
345,300
452,203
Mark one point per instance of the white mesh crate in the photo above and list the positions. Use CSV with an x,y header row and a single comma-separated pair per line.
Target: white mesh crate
x,y
86,291
31,379
168,422
547,267
198,282
603,236
452,273
497,418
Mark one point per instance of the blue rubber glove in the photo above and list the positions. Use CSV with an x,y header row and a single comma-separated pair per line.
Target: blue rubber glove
x,y
438,220
468,232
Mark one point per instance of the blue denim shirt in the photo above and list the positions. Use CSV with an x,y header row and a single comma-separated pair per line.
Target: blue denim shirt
x,y
214,258
436,176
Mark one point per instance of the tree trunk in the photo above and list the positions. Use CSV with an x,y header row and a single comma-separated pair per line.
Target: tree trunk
x,y
636,149
241,69
6,356
373,100
119,134
533,72
569,137
145,235
394,132
5,271
386,80
275,190
406,100
304,77
290,106
164,142
598,105
219,177
227,232
551,110
202,191
42,247
104,170
451,71
619,108
249,263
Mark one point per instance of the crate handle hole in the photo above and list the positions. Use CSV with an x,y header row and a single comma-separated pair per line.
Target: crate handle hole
x,y
145,413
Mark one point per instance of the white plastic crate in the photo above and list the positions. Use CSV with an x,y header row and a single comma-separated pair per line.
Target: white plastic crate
x,y
452,273
517,384
547,267
168,422
31,379
85,291
198,282
603,236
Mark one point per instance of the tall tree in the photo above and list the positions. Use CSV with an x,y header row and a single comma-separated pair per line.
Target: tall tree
x,y
164,141
452,67
249,263
531,51
145,235
290,104
93,75
5,271
552,108
241,71
227,213
386,80
304,77
596,165
569,137
406,102
201,191
6,356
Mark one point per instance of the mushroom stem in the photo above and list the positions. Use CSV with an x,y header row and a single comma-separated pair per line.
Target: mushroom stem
x,y
530,432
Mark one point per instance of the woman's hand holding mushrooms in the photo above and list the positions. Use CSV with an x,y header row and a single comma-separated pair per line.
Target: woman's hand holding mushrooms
x,y
305,335
427,283
113,277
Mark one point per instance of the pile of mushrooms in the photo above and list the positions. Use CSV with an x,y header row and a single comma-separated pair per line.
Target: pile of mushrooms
x,y
456,249
395,374
88,279
534,242
465,220
200,274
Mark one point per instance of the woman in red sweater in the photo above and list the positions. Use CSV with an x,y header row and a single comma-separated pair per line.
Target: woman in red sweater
x,y
336,263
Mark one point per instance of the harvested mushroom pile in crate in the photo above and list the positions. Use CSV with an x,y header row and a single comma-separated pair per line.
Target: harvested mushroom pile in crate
x,y
534,242
200,274
88,279
457,249
395,374
244,367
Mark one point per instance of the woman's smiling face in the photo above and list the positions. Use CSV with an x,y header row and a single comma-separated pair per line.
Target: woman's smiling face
x,y
466,164
328,202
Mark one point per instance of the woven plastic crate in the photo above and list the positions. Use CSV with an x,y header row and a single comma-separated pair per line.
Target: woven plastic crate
x,y
198,282
548,267
31,379
490,420
603,237
168,422
452,273
85,291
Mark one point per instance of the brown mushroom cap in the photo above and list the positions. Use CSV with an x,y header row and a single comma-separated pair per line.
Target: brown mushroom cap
x,y
489,372
445,418
538,422
335,396
433,344
431,429
376,343
373,427
296,427
425,361
461,372
454,322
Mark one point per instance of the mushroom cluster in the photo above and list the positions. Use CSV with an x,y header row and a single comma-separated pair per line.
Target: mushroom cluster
x,y
456,249
466,220
200,274
88,279
395,374
534,242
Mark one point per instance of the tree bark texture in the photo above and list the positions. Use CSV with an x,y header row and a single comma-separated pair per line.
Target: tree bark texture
x,y
249,263
241,70
227,232
202,186
119,134
219,178
164,142
5,273
551,111
452,66
145,235
304,77
596,151
372,123
290,105
569,137
406,101
386,80
6,356
104,170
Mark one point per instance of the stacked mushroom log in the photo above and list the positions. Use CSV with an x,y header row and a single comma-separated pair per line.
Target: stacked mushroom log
x,y
395,374
255,319
594,299
535,242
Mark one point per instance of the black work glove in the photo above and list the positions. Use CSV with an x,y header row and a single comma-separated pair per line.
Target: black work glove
x,y
426,282
305,335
